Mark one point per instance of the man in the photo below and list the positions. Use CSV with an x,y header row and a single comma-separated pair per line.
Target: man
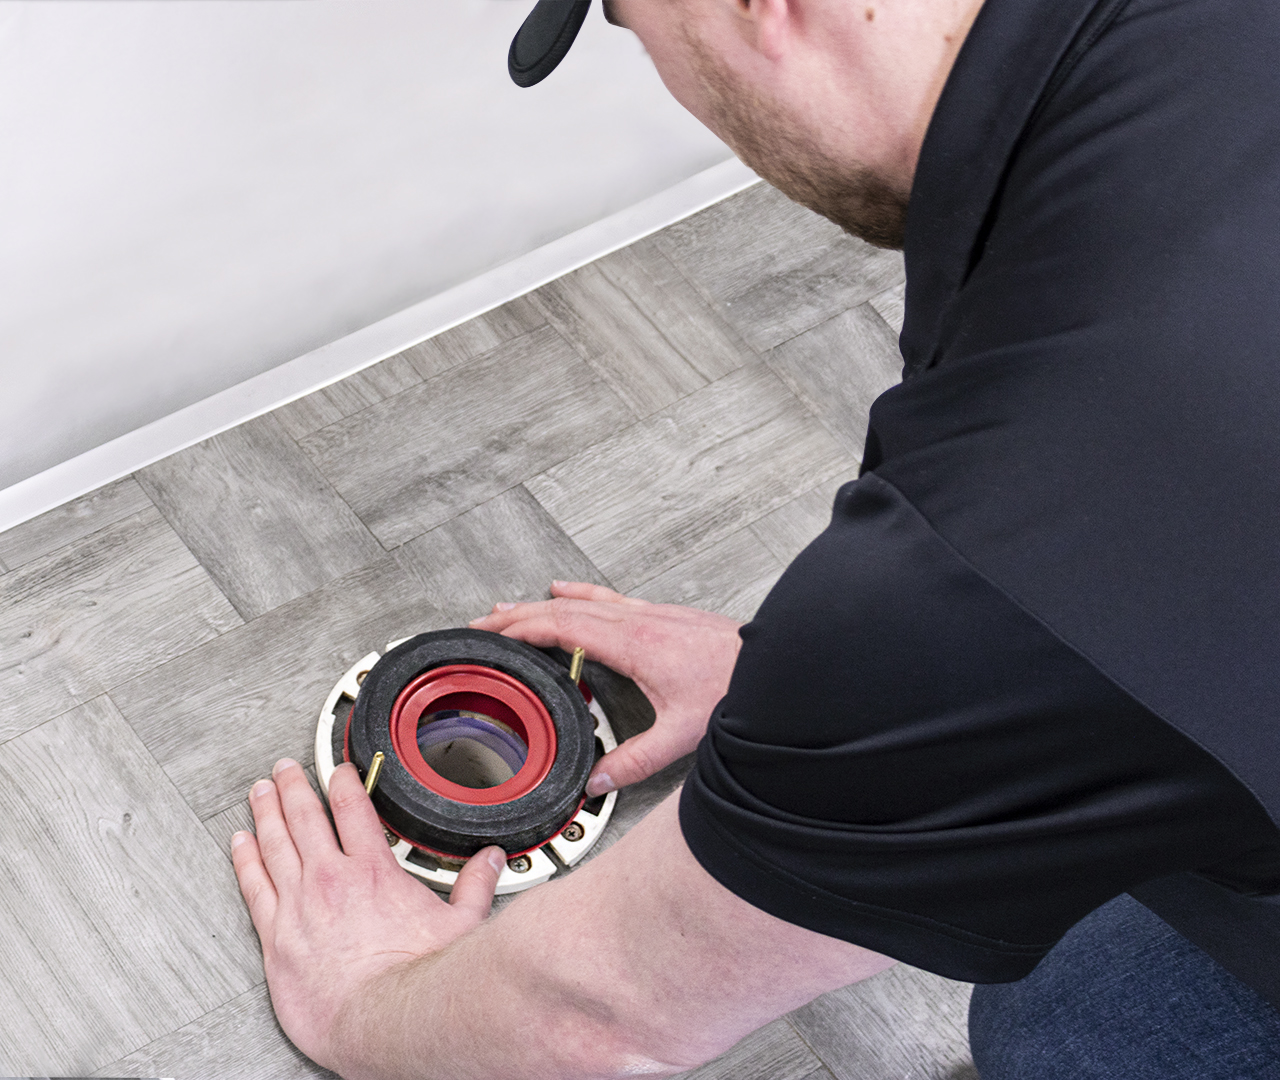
x,y
1029,668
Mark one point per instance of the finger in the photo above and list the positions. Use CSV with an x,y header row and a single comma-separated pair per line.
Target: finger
x,y
504,614
279,855
638,758
312,834
606,641
561,607
583,590
473,891
255,883
564,622
358,826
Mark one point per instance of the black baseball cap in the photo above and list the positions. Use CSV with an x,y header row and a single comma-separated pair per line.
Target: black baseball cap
x,y
544,38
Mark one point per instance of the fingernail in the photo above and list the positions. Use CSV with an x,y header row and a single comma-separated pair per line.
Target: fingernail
x,y
504,606
497,859
600,784
282,764
260,789
238,839
559,583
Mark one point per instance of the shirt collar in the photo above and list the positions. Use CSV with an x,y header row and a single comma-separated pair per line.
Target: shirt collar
x,y
1006,65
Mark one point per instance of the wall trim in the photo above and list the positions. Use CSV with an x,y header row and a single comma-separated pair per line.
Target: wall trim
x,y
328,364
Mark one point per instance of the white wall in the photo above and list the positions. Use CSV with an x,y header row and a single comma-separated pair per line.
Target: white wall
x,y
195,191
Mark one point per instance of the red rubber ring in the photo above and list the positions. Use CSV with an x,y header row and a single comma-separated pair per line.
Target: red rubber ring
x,y
486,691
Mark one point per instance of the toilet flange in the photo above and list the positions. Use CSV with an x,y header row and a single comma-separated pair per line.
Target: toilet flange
x,y
434,823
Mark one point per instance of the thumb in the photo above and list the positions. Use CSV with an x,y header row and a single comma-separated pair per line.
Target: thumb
x,y
638,758
473,891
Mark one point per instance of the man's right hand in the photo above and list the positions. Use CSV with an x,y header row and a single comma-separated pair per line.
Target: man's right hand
x,y
681,658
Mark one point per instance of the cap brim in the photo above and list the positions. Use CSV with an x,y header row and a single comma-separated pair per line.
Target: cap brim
x,y
544,38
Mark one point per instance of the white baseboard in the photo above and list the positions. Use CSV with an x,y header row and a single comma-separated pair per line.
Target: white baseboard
x,y
329,363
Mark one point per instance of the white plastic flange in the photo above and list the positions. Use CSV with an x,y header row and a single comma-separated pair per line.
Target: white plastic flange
x,y
542,866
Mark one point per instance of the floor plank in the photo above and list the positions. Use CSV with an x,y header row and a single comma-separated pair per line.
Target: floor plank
x,y
424,456
508,548
901,1023
349,396
239,1041
120,919
474,337
731,578
643,501
774,1052
774,268
694,326
98,611
259,516
891,306
217,719
612,334
791,528
839,368
72,521
223,825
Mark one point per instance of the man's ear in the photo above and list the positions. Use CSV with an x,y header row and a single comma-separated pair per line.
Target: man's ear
x,y
767,25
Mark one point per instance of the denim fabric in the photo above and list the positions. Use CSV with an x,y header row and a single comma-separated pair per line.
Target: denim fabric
x,y
1124,997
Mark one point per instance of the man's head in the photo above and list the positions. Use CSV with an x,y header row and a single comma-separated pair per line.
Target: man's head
x,y
828,100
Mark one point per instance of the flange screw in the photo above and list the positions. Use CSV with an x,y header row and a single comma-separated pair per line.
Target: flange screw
x,y
521,864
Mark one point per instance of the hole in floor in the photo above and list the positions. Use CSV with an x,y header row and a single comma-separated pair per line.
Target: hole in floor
x,y
470,748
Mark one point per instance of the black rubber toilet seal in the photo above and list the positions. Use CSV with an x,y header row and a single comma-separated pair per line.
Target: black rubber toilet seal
x,y
445,826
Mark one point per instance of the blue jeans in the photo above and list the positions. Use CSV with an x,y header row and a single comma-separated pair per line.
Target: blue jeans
x,y
1124,997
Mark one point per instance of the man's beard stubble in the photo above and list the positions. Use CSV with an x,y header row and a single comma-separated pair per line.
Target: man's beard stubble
x,y
857,199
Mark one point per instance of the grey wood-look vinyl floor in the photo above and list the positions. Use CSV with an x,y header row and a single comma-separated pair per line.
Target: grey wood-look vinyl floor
x,y
672,420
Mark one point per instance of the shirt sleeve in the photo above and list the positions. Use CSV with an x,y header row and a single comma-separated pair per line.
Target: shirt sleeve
x,y
908,760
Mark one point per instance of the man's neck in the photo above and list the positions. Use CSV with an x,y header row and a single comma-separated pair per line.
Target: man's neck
x,y
865,75
829,100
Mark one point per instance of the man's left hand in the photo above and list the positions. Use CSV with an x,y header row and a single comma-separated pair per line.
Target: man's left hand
x,y
333,918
